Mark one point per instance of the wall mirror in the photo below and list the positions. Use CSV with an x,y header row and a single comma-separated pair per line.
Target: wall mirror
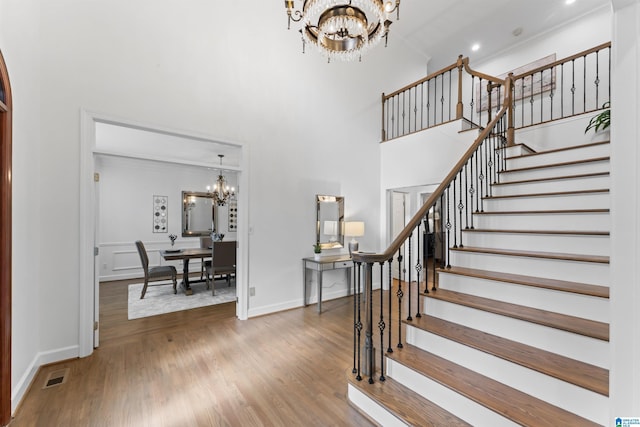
x,y
330,221
197,214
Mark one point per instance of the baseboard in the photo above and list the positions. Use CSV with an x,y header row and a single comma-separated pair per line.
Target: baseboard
x,y
40,359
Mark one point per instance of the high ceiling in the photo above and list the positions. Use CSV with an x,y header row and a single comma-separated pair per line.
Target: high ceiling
x,y
434,29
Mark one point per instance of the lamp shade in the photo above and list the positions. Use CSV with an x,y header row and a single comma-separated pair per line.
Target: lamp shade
x,y
354,228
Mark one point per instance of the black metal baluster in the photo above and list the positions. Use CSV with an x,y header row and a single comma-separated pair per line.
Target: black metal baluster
x,y
442,98
449,95
381,326
597,80
573,87
584,83
460,207
390,263
409,278
552,90
422,105
409,119
480,101
428,103
355,319
468,196
562,90
400,294
404,111
358,325
418,270
448,227
425,252
541,95
369,314
455,237
473,92
522,102
531,100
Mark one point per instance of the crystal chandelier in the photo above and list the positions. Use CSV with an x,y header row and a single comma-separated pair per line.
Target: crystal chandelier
x,y
343,29
221,191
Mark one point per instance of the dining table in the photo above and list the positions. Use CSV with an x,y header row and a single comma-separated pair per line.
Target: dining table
x,y
186,255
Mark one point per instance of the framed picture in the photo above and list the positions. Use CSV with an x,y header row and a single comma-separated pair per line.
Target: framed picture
x,y
160,214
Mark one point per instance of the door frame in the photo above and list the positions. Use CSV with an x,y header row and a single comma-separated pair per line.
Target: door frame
x,y
88,288
5,245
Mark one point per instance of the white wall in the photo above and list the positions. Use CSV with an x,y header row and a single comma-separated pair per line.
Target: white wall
x,y
309,127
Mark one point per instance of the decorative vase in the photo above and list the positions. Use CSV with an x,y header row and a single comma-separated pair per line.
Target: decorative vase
x,y
317,256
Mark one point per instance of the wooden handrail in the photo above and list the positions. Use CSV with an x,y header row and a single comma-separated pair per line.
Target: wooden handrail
x,y
422,80
472,72
415,220
564,60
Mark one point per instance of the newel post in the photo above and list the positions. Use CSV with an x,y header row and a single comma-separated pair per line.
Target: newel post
x,y
459,105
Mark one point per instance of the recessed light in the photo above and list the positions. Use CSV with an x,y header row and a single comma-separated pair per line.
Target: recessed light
x,y
568,2
475,47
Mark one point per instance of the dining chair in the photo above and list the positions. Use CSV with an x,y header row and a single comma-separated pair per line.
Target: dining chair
x,y
205,243
155,274
223,263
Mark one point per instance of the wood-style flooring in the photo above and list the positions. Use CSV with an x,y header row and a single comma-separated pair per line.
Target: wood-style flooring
x,y
204,367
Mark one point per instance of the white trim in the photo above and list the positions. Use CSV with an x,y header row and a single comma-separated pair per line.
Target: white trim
x,y
20,389
87,297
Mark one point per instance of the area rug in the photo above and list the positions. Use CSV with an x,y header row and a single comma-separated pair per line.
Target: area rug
x,y
161,299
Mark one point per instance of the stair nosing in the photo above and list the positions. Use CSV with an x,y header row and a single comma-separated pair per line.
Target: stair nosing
x,y
597,291
526,409
556,150
598,259
559,321
553,178
514,352
561,232
409,412
556,193
544,212
556,165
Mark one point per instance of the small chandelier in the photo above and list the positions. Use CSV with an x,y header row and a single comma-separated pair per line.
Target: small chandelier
x,y
343,29
221,191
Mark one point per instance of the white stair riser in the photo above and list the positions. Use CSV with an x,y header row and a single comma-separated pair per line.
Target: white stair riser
x,y
584,306
582,272
555,171
575,244
517,151
573,184
585,349
590,152
561,201
572,398
466,409
372,409
594,221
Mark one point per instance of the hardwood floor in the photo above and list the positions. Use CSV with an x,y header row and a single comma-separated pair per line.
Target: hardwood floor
x,y
204,367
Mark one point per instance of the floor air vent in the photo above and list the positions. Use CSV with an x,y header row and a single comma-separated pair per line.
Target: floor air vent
x,y
56,378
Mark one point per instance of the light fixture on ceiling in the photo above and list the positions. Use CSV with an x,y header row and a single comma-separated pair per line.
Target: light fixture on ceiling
x,y
221,191
343,29
475,47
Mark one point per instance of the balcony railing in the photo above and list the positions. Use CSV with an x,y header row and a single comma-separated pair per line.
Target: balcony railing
x,y
568,87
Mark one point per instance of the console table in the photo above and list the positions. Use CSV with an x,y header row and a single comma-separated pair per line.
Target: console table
x,y
323,264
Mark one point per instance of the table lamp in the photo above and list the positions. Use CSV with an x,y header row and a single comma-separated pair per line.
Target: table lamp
x,y
353,229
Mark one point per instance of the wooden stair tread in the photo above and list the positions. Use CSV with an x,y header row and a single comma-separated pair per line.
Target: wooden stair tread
x,y
559,164
577,325
571,147
563,368
552,193
513,404
555,178
538,282
563,232
405,403
544,212
600,259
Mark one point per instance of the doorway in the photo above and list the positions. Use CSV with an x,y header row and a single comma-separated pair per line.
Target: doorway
x,y
157,146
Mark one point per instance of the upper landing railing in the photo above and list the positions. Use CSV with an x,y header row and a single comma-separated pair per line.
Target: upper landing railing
x,y
574,85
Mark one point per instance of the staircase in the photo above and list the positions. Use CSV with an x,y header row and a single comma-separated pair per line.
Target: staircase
x,y
517,332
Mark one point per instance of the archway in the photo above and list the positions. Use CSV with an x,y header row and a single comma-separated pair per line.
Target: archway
x,y
5,244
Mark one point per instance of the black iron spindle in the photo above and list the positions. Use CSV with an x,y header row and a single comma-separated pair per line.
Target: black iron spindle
x,y
418,270
425,252
448,227
409,299
358,325
400,294
381,327
473,80
460,206
390,293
